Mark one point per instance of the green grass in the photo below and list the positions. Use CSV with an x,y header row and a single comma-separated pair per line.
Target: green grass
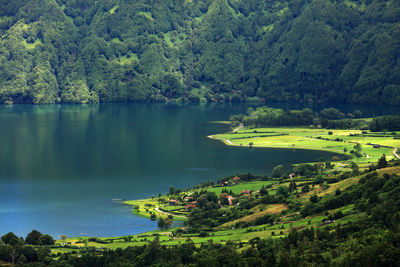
x,y
32,45
200,18
112,10
177,40
116,40
308,138
148,15
146,211
237,189
128,58
268,28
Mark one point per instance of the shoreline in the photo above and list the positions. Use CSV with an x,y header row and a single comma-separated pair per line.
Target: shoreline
x,y
229,143
341,142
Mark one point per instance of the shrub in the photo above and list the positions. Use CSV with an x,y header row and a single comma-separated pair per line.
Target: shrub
x,y
203,234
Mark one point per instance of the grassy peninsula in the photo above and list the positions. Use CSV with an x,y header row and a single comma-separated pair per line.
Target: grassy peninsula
x,y
372,144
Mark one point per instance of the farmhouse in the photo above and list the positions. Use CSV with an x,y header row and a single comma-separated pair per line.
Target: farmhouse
x,y
236,180
188,198
173,202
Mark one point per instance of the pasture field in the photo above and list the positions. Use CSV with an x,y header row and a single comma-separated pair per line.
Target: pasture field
x,y
337,141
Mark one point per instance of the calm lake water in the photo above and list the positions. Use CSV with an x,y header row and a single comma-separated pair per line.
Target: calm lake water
x,y
62,167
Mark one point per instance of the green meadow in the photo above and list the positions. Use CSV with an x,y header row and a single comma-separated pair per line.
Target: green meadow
x,y
337,141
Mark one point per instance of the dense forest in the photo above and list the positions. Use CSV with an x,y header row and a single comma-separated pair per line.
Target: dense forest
x,y
82,51
330,118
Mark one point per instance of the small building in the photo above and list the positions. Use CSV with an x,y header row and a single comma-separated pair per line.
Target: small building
x,y
190,206
236,180
173,202
228,197
230,200
225,184
188,198
245,192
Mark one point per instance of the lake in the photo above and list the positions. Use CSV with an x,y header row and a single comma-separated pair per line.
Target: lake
x,y
63,168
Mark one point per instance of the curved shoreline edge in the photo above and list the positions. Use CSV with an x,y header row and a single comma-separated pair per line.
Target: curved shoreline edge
x,y
229,143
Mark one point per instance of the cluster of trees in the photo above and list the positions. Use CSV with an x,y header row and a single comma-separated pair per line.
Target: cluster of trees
x,y
328,118
385,123
33,249
209,50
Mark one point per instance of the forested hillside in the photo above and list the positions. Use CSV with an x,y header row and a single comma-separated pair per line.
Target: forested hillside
x,y
80,51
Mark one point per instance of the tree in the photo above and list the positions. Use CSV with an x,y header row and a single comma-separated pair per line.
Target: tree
x,y
14,244
382,162
305,188
292,186
63,237
358,148
10,239
263,191
171,190
338,192
357,114
282,190
164,223
33,238
331,114
354,167
46,240
314,198
277,171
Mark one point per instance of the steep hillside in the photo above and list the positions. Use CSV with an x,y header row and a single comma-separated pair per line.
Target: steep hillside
x,y
81,51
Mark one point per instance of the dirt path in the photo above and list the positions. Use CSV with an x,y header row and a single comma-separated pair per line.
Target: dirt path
x,y
224,139
395,154
238,128
167,213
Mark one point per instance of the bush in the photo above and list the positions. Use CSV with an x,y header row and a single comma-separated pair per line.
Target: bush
x,y
203,234
277,171
314,199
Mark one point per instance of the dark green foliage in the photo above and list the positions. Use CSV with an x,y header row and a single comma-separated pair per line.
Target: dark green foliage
x,y
164,223
215,50
382,162
33,237
277,171
46,240
314,199
385,123
328,118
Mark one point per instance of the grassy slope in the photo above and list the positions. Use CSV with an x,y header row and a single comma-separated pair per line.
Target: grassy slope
x,y
226,233
237,189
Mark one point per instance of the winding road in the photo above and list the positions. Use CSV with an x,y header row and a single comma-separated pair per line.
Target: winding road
x,y
167,213
395,154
